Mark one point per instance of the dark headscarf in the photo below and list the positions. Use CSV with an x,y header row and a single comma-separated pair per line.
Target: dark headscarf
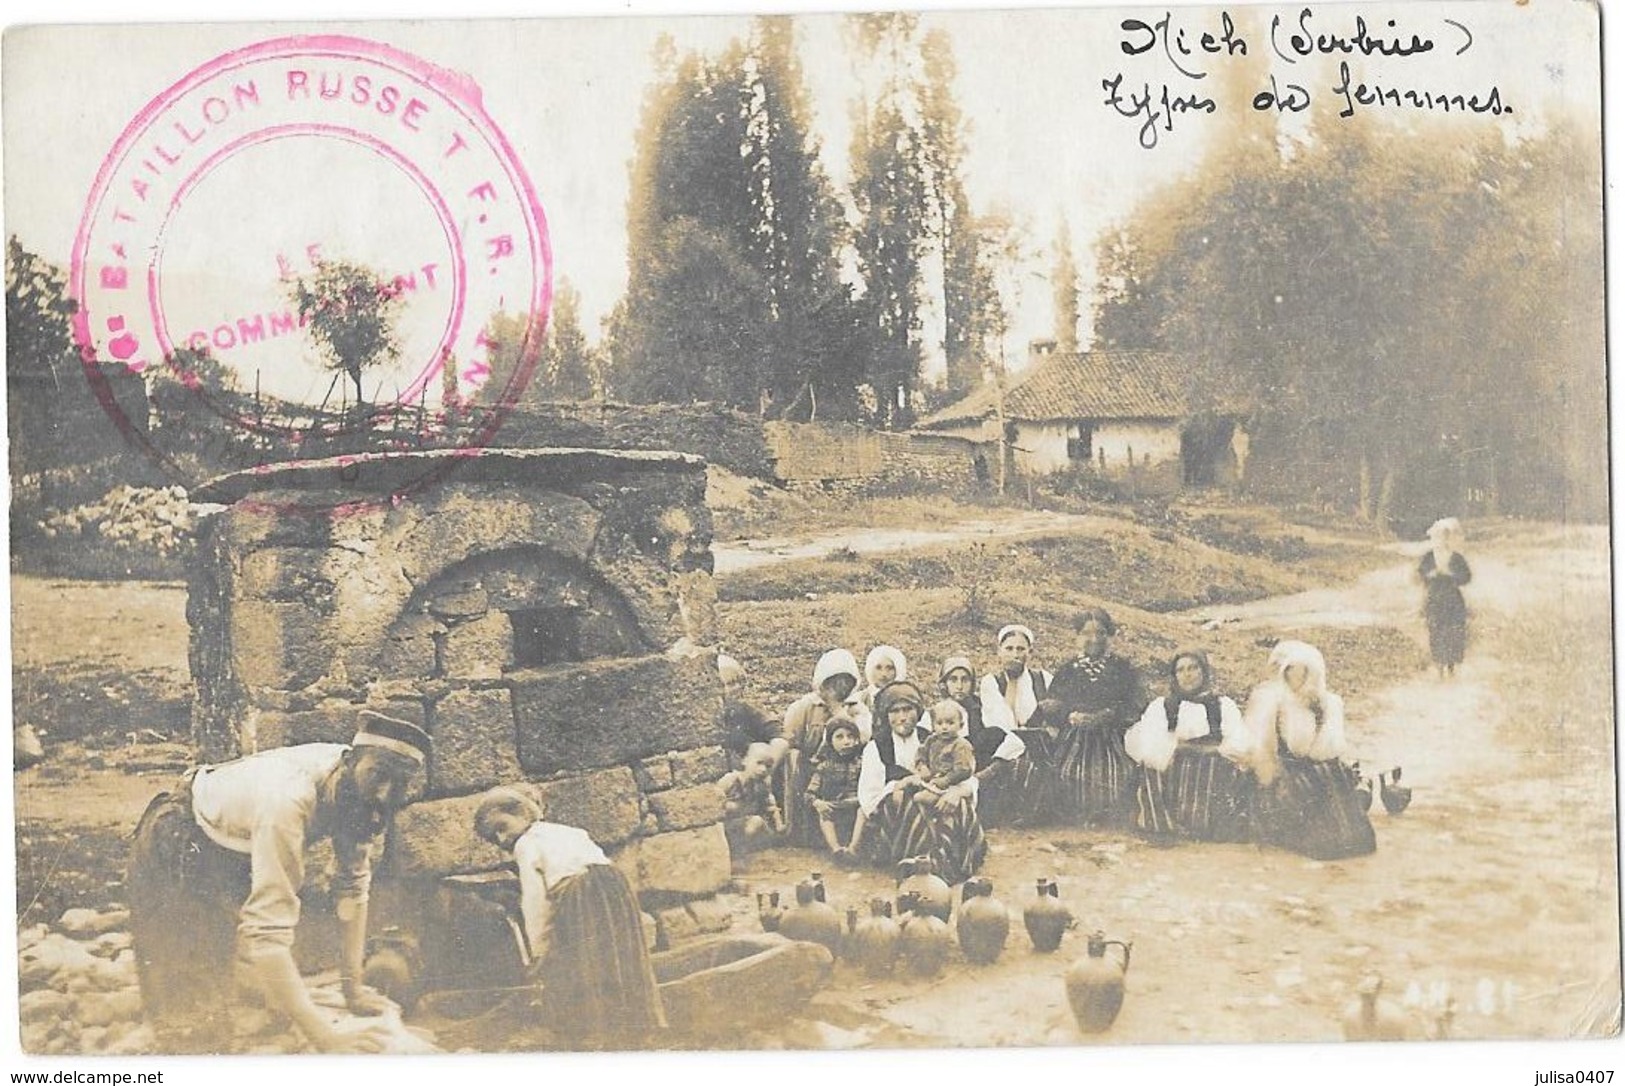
x,y
1205,697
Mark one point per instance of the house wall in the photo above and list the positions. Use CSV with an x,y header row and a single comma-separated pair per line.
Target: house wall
x,y
1041,447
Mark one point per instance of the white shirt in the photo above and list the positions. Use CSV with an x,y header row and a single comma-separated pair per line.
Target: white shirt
x,y
1151,743
872,783
547,854
269,806
1017,702
1273,710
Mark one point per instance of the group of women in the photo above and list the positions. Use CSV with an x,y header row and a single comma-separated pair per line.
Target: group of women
x,y
1079,746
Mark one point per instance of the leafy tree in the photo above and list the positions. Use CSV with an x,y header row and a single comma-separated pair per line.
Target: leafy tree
x,y
39,332
1385,300
569,364
351,312
891,191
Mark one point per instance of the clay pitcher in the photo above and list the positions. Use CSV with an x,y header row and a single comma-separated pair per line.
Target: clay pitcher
x,y
849,937
1094,986
875,943
918,876
769,911
924,941
983,923
1046,919
811,920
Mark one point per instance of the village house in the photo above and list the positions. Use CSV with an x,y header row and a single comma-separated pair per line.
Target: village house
x,y
1118,413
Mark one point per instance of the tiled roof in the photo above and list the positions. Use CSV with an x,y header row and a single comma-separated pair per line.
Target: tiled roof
x,y
1097,385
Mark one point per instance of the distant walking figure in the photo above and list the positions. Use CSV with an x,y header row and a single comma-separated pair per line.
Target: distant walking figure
x,y
1443,571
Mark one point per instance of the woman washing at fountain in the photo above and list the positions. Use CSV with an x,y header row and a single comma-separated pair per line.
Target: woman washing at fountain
x,y
1306,800
583,930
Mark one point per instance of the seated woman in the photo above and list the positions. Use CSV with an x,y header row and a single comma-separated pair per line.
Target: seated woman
x,y
1188,745
905,814
1093,700
1014,691
1306,799
1000,753
806,735
883,665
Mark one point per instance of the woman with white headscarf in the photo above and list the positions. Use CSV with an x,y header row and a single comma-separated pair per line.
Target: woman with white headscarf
x,y
834,695
1011,694
1443,572
1306,800
883,666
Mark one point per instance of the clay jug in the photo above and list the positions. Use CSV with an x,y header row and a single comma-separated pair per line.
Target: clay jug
x,y
769,911
983,923
918,875
1046,919
1094,986
811,920
923,941
875,941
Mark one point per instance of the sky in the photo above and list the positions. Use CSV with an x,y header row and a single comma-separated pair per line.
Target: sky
x,y
1043,147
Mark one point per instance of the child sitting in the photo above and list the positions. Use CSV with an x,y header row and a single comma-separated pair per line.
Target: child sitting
x,y
832,790
750,816
582,925
948,759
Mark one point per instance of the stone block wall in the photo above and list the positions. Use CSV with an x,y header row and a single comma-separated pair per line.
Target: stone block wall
x,y
846,458
547,615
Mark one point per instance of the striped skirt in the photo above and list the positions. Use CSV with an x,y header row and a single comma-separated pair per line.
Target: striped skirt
x,y
1202,796
598,987
1312,809
1096,779
951,835
1011,794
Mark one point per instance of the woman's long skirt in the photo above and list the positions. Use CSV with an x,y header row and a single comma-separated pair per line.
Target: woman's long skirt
x,y
1202,796
598,986
1096,778
1312,809
1446,614
790,790
951,835
1012,792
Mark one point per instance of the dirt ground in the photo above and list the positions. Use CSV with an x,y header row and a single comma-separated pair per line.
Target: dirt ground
x,y
1490,909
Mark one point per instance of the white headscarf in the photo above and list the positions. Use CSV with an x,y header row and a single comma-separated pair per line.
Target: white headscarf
x,y
835,662
1014,627
885,652
1287,653
1446,531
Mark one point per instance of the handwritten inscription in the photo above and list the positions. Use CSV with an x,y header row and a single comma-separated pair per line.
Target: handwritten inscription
x,y
1158,104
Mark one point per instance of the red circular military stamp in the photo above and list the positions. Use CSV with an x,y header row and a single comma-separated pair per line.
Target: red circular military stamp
x,y
250,174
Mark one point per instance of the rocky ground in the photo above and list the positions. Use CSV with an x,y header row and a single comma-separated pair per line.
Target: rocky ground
x,y
1489,911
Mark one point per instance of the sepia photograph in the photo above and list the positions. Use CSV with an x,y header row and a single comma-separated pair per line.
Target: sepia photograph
x,y
762,531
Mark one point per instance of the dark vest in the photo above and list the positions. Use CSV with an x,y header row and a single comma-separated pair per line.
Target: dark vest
x,y
886,746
